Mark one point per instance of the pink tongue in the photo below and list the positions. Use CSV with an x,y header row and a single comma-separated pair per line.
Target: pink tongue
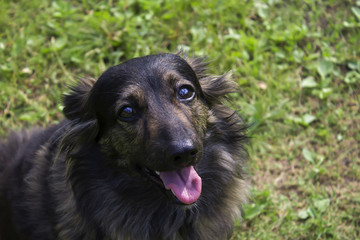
x,y
185,183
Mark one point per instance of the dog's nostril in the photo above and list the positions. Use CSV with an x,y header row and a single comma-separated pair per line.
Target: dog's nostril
x,y
185,157
193,153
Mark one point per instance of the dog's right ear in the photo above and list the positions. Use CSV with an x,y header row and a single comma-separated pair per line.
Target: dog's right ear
x,y
78,108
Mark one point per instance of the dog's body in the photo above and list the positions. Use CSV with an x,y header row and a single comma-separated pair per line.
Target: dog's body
x,y
147,126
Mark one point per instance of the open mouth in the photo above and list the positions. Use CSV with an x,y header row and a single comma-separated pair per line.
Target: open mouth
x,y
184,184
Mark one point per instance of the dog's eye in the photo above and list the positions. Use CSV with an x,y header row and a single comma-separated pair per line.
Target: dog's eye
x,y
186,92
127,113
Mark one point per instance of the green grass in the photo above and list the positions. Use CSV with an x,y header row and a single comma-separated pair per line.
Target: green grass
x,y
297,63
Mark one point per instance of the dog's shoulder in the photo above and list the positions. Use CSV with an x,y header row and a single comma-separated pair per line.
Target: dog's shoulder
x,y
19,148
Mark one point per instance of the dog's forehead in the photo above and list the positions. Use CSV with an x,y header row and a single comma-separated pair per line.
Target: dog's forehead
x,y
152,69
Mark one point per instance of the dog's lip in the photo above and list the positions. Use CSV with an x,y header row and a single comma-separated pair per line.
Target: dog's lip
x,y
153,176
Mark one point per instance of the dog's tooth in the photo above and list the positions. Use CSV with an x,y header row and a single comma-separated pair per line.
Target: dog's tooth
x,y
158,173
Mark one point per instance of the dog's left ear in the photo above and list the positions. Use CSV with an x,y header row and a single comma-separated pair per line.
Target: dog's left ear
x,y
215,88
78,108
76,103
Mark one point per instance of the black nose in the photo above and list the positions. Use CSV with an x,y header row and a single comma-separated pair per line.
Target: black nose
x,y
182,153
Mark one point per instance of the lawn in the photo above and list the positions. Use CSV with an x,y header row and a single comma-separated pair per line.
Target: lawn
x,y
297,64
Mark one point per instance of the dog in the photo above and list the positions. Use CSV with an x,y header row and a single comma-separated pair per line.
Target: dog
x,y
147,151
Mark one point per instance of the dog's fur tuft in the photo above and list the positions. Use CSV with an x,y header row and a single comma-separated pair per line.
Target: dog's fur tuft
x,y
77,104
94,175
83,126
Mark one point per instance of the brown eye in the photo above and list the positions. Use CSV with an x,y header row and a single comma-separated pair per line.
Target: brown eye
x,y
186,92
127,114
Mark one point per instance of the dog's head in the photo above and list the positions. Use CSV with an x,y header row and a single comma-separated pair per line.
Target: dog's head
x,y
149,115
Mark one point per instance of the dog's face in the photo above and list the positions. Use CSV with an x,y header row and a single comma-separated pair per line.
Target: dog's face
x,y
151,117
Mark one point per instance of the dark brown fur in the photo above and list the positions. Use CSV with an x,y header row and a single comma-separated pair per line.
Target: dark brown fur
x,y
90,177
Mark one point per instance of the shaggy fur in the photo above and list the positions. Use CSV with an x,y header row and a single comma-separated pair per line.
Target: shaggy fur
x,y
93,176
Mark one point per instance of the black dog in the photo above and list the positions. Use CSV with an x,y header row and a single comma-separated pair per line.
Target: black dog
x,y
148,151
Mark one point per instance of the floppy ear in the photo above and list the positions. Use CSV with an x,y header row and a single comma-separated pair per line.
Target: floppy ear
x,y
76,103
78,108
215,88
